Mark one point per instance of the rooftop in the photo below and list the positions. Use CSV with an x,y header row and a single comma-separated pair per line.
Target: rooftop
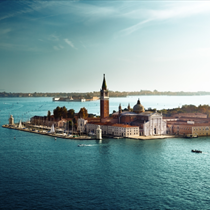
x,y
111,124
124,126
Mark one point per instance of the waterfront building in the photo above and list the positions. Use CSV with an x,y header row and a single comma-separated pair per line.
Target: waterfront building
x,y
184,128
81,125
189,126
149,123
201,130
45,121
118,130
125,122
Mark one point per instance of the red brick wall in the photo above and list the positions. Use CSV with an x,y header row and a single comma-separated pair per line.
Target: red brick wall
x,y
104,108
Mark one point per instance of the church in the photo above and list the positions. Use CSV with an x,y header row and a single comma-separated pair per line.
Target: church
x,y
148,123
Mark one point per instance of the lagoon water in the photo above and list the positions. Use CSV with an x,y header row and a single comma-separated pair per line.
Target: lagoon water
x,y
37,172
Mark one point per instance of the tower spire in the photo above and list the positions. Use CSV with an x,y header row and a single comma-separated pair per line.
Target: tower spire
x,y
129,107
104,86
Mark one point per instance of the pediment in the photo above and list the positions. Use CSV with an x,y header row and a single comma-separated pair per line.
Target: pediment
x,y
156,114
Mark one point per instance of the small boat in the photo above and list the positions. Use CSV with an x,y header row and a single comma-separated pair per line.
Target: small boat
x,y
55,138
196,151
191,136
80,145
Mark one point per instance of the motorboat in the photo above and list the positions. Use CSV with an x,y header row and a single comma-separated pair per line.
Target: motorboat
x,y
196,151
191,136
81,145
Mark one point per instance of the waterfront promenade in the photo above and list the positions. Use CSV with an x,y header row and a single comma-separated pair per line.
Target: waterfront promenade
x,y
152,137
43,131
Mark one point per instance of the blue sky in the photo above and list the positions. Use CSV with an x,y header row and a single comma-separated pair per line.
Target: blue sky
x,y
67,46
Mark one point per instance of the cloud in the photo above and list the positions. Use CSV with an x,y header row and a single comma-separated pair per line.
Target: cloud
x,y
5,31
70,43
58,47
130,30
29,6
53,37
175,10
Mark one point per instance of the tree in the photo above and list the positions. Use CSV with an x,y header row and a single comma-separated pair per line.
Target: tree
x,y
71,113
57,112
64,112
83,113
48,114
60,112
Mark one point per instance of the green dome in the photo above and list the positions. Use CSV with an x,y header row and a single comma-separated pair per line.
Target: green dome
x,y
138,108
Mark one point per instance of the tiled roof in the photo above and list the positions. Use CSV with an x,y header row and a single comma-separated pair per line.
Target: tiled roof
x,y
124,126
192,125
111,124
100,123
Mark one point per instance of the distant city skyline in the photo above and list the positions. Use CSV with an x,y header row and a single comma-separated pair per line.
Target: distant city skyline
x,y
67,46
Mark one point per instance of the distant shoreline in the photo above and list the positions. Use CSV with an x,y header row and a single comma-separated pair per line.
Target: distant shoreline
x,y
112,94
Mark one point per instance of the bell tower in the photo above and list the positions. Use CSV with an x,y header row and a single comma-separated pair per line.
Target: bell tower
x,y
104,100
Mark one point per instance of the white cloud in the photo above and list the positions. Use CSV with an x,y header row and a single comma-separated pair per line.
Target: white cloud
x,y
70,43
170,11
130,30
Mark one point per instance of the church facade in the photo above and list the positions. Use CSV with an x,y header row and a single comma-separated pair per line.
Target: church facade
x,y
149,123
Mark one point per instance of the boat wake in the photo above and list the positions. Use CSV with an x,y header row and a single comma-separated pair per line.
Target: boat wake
x,y
85,145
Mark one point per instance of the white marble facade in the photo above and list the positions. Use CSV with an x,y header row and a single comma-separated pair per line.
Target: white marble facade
x,y
81,125
155,125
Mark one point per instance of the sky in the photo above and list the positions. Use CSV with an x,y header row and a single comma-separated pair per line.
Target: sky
x,y
67,46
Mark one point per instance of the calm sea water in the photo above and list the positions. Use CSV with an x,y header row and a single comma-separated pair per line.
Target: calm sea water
x,y
37,172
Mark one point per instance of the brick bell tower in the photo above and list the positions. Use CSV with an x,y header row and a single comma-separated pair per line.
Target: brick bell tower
x,y
104,100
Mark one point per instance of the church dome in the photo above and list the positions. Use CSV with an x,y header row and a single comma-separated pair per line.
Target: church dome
x,y
138,108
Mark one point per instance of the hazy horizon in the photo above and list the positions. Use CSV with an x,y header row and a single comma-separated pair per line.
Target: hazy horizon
x,y
67,46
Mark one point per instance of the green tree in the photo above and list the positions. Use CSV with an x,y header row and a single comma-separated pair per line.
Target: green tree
x,y
64,112
60,112
48,114
57,112
71,113
83,113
